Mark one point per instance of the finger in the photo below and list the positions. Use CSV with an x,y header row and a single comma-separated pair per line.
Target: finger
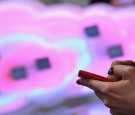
x,y
124,71
95,85
117,62
113,76
105,88
126,62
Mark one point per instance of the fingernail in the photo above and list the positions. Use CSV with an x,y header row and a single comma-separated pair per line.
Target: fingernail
x,y
78,82
110,72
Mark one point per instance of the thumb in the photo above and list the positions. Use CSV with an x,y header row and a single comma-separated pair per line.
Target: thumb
x,y
124,71
118,62
125,62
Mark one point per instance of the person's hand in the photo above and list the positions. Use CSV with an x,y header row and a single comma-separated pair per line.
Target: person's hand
x,y
118,96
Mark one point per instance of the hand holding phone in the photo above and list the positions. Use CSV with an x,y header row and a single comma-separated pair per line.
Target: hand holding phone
x,y
88,75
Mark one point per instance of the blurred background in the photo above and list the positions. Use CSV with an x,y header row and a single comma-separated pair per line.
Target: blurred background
x,y
44,44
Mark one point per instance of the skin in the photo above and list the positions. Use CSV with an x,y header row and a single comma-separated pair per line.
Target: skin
x,y
118,96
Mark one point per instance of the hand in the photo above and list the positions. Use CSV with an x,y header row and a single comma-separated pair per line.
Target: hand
x,y
118,96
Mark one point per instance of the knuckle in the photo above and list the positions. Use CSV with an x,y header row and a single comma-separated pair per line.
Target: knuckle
x,y
130,62
115,62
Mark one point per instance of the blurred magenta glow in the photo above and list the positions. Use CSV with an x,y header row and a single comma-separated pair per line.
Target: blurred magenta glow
x,y
31,31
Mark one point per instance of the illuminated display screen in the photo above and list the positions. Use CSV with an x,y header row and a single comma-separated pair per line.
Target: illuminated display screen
x,y
55,39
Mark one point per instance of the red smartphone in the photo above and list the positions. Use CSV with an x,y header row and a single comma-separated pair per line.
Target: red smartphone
x,y
88,75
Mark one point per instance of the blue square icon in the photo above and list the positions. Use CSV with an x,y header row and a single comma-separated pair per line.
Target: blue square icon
x,y
18,73
115,51
92,31
43,63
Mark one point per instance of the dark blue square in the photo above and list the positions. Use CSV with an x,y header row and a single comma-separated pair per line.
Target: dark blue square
x,y
115,51
18,73
43,63
92,31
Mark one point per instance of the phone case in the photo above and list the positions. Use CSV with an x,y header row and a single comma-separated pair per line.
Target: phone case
x,y
88,75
